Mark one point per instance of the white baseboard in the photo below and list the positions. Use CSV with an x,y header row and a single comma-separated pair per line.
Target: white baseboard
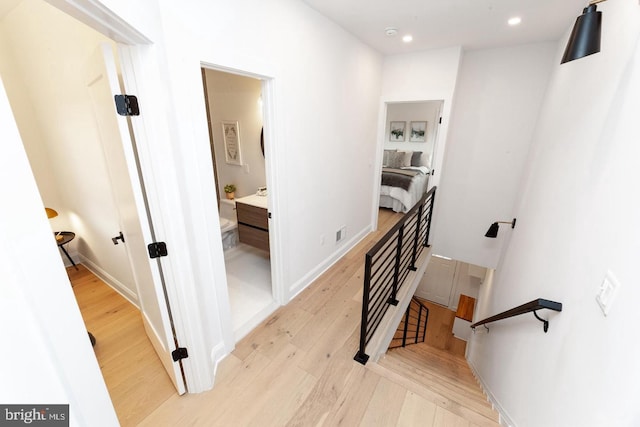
x,y
218,353
505,419
312,275
109,280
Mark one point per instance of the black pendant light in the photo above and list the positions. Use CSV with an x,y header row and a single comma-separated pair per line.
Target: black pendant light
x,y
585,37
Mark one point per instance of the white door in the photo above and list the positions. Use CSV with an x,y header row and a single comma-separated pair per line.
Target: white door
x,y
103,85
437,282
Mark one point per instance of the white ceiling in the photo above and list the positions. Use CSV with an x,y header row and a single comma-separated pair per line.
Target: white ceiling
x,y
472,24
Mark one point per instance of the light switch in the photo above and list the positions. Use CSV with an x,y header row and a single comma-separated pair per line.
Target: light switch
x,y
608,291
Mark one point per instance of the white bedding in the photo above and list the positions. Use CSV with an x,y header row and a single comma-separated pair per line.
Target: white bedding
x,y
401,200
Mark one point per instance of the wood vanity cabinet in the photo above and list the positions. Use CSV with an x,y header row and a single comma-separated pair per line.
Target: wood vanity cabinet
x,y
253,225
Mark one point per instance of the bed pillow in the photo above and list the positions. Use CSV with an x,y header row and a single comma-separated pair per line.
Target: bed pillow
x,y
416,158
385,157
399,159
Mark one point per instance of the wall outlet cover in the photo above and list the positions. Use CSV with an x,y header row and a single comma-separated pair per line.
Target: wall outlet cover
x,y
608,292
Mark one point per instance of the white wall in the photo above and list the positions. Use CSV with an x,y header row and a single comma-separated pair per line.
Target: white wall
x,y
414,111
237,98
497,104
577,218
46,75
422,76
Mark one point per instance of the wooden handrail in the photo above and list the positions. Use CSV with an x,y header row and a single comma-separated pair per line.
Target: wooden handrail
x,y
534,305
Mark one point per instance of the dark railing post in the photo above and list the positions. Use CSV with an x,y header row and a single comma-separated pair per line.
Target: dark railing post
x,y
426,322
406,326
433,199
414,252
396,269
418,325
361,356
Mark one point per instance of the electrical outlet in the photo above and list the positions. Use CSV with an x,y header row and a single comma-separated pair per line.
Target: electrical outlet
x,y
341,233
608,291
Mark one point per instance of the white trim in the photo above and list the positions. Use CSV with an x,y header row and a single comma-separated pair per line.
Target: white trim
x,y
111,281
97,16
505,419
312,275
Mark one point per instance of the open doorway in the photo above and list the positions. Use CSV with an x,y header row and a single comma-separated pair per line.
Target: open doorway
x,y
236,123
58,113
411,132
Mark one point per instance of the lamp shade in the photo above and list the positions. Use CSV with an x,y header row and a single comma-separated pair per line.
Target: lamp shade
x,y
492,231
585,36
51,213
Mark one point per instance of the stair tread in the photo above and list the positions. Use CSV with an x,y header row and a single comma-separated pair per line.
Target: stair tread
x,y
472,401
460,379
480,418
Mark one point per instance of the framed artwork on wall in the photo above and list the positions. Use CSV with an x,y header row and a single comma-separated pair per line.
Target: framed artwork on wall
x,y
418,132
231,135
396,131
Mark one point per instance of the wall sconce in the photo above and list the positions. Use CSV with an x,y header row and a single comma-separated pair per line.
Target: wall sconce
x,y
585,36
493,229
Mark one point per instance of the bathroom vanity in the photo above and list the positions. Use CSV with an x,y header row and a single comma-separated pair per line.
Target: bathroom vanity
x,y
253,221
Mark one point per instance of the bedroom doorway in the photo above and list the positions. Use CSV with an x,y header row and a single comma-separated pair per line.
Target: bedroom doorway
x,y
235,119
410,140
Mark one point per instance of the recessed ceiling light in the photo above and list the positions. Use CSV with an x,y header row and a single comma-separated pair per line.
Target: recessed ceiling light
x,y
408,38
390,31
514,21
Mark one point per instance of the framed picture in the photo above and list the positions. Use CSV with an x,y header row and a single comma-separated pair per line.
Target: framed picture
x,y
231,135
418,132
396,131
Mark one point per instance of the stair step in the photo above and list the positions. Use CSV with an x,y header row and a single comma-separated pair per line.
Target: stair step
x,y
464,393
452,405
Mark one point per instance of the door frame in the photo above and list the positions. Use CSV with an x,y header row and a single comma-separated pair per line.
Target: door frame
x,y
141,76
270,155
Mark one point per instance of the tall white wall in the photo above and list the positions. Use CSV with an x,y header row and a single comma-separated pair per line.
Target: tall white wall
x,y
46,75
414,111
577,219
497,104
237,98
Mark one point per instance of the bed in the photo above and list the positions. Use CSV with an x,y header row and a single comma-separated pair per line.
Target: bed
x,y
404,180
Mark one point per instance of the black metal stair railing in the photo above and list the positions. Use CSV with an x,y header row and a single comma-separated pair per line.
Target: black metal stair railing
x,y
413,327
388,264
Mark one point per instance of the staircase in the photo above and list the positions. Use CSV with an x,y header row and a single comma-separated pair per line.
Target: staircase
x,y
413,326
446,376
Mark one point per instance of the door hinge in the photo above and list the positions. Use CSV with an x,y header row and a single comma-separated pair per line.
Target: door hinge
x,y
269,215
179,354
440,120
157,249
127,105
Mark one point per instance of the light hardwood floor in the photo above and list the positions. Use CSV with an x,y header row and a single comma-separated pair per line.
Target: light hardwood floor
x,y
297,369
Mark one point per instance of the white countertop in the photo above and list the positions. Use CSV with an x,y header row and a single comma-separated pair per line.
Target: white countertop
x,y
254,200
